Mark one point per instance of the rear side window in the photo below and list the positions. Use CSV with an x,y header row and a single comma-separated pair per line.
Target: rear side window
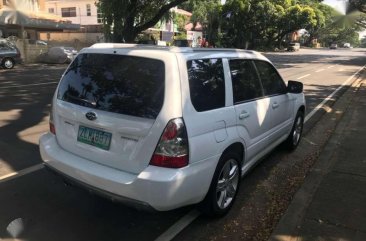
x,y
271,80
246,84
206,84
115,83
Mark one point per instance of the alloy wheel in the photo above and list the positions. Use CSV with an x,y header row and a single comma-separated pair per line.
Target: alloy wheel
x,y
297,131
227,184
8,64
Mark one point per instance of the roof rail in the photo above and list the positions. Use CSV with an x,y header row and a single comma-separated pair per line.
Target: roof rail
x,y
171,48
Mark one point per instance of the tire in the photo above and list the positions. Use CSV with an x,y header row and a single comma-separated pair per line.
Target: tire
x,y
8,63
224,186
294,138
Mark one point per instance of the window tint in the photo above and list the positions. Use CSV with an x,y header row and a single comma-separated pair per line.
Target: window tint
x,y
271,80
116,83
246,85
206,84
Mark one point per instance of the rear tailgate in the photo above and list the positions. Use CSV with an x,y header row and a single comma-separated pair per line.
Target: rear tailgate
x,y
108,108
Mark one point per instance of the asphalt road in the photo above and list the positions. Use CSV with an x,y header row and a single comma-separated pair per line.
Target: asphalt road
x,y
47,209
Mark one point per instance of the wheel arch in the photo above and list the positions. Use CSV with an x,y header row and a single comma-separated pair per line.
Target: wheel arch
x,y
236,147
302,109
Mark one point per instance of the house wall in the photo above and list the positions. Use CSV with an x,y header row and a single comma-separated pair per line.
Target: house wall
x,y
81,10
30,52
76,40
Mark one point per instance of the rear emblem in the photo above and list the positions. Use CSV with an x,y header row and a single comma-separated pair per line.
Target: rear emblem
x,y
91,116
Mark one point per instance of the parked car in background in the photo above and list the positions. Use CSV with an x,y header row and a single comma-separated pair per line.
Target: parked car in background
x,y
162,128
293,47
333,46
347,45
9,54
37,42
58,55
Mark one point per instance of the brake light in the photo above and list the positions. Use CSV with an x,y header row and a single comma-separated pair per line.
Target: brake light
x,y
52,126
172,149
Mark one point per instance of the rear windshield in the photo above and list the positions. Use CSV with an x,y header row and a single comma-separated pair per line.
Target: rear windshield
x,y
115,83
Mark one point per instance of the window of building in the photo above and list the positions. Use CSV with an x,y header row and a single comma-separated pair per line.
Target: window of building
x,y
51,10
88,10
99,16
68,12
206,84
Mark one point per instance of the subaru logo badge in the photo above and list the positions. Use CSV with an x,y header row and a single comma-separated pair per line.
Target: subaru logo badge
x,y
91,116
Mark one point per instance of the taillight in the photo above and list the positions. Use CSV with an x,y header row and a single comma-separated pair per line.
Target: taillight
x,y
52,126
172,149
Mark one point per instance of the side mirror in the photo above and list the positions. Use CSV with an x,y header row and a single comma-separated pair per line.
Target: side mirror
x,y
294,87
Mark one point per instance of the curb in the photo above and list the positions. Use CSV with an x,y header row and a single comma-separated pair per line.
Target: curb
x,y
290,222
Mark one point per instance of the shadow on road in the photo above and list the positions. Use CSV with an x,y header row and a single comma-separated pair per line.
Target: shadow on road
x,y
24,107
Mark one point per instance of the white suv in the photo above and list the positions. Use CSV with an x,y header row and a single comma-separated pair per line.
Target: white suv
x,y
167,127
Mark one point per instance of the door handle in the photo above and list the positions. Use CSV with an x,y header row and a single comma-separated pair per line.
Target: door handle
x,y
275,105
244,115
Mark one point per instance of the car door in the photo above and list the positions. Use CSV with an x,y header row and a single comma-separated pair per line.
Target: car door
x,y
206,112
252,116
4,51
281,103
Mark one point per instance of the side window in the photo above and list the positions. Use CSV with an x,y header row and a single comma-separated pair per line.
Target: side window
x,y
246,84
271,80
206,84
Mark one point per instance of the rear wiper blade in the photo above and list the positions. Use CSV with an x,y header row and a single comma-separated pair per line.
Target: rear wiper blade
x,y
92,103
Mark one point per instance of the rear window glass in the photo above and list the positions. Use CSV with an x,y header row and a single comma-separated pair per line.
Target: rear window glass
x,y
206,84
115,83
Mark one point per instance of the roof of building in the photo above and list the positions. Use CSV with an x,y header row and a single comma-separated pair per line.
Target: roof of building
x,y
34,19
189,27
182,12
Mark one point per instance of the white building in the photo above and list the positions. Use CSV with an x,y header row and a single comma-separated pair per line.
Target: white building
x,y
83,12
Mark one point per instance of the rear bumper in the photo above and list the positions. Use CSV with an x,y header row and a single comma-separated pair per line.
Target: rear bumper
x,y
159,188
129,202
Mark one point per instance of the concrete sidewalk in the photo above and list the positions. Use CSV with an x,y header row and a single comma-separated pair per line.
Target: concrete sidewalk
x,y
331,204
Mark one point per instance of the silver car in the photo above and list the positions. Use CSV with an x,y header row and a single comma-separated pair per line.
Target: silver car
x,y
58,55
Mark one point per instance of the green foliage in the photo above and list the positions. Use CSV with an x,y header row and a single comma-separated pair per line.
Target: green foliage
x,y
129,18
263,23
337,28
341,36
180,20
359,4
208,14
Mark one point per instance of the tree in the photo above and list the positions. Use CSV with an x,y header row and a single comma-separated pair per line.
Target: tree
x,y
338,28
125,19
264,22
358,4
325,17
208,14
